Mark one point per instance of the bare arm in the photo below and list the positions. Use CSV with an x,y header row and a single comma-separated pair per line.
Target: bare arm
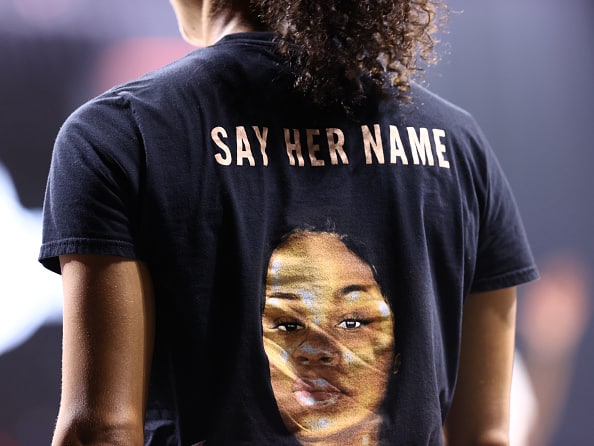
x,y
107,347
480,410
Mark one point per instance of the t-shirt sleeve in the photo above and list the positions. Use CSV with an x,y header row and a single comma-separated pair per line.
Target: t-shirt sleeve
x,y
503,257
92,195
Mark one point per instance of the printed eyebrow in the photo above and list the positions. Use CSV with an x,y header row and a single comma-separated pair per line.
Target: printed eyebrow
x,y
286,296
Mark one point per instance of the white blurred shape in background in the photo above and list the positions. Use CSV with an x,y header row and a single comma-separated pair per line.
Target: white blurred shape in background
x,y
30,296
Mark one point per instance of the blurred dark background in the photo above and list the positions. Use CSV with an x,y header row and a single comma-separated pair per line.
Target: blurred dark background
x,y
525,70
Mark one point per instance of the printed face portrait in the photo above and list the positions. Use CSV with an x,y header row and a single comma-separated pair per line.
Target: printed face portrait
x,y
328,335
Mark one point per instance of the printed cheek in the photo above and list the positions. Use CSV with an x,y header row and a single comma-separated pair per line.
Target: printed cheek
x,y
358,361
350,359
384,339
370,343
288,341
383,335
279,359
361,358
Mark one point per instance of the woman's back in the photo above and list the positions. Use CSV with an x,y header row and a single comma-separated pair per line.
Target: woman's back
x,y
309,261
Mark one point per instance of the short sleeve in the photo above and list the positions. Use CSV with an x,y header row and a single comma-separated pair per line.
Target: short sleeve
x,y
503,257
92,196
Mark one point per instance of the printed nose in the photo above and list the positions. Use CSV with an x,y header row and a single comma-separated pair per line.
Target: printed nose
x,y
321,353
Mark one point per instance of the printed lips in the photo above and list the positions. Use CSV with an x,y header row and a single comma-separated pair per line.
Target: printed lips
x,y
315,392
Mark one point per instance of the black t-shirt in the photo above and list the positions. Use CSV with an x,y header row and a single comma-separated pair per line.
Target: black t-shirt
x,y
310,267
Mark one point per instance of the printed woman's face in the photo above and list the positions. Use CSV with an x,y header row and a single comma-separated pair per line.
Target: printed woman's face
x,y
328,334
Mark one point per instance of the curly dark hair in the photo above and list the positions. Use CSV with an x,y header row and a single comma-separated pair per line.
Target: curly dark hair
x,y
335,45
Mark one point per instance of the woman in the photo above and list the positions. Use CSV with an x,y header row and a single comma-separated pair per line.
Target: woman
x,y
329,337
165,192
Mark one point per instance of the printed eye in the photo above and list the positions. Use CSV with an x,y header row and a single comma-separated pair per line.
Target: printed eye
x,y
350,324
288,326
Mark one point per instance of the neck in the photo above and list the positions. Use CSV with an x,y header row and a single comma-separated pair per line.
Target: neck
x,y
215,28
201,24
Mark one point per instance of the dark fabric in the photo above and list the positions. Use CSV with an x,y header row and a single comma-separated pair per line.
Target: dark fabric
x,y
170,169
